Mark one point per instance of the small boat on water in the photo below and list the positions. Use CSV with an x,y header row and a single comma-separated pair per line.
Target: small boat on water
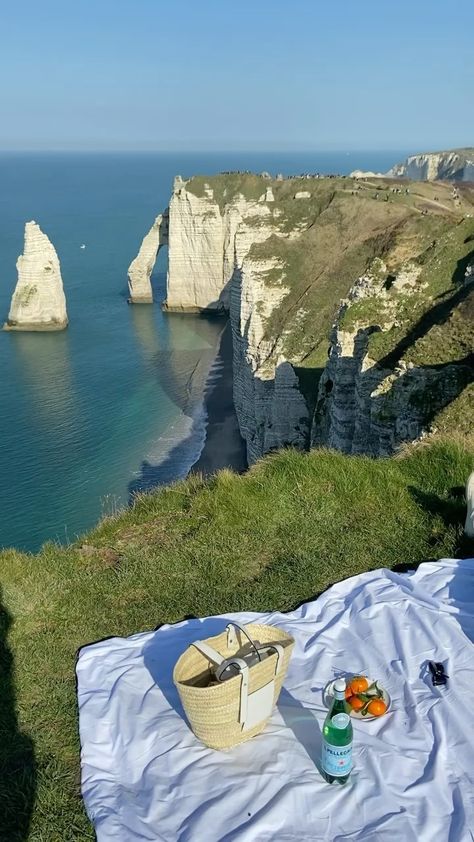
x,y
83,245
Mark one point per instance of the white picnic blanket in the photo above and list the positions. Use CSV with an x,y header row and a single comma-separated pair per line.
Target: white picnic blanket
x,y
146,777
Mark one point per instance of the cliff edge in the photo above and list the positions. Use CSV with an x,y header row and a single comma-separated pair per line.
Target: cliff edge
x,y
351,303
452,165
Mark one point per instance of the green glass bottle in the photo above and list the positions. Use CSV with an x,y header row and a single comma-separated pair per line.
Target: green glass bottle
x,y
337,738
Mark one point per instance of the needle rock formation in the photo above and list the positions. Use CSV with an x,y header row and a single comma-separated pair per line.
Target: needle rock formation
x,y
140,269
38,302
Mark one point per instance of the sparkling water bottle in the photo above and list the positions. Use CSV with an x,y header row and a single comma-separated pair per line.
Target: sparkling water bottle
x,y
337,738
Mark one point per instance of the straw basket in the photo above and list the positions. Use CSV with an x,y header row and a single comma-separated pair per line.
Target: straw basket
x,y
229,712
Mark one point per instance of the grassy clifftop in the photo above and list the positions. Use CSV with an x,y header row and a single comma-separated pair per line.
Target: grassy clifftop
x,y
341,227
329,238
269,539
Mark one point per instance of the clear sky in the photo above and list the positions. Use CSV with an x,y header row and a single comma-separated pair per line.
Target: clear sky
x,y
236,74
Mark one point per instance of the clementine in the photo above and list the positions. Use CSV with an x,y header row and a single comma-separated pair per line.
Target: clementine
x,y
376,707
359,684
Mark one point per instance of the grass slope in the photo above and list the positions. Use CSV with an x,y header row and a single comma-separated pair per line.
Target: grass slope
x,y
272,538
341,227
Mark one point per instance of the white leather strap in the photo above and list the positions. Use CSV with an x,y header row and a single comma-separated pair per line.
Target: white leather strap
x,y
261,700
231,636
244,687
208,652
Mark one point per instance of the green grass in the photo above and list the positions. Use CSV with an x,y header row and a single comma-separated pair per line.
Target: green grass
x,y
440,302
285,531
321,266
226,187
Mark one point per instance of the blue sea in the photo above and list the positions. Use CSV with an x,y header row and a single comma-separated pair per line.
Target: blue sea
x,y
114,404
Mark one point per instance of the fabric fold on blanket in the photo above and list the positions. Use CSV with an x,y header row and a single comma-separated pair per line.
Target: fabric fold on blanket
x,y
146,777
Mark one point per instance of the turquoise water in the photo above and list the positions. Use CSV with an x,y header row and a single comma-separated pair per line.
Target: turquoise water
x,y
114,403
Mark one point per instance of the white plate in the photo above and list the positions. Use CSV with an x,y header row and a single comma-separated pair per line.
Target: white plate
x,y
328,695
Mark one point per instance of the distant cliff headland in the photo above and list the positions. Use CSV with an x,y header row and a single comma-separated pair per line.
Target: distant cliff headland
x,y
455,165
351,303
451,165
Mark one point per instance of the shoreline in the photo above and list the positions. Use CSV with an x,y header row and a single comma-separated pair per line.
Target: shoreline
x,y
223,447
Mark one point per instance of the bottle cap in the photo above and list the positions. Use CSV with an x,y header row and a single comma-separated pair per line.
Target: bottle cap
x,y
340,685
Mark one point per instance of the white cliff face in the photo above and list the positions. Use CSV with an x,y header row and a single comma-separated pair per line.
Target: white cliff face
x,y
197,233
270,408
210,269
38,302
430,166
141,268
218,260
365,174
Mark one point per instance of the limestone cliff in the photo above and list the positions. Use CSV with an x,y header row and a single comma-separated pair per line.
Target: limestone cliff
x,y
271,410
141,268
455,164
210,269
374,394
201,249
281,257
38,302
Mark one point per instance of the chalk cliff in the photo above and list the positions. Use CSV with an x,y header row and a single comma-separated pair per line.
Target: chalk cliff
x,y
210,269
201,249
141,268
271,410
368,405
281,257
455,164
38,302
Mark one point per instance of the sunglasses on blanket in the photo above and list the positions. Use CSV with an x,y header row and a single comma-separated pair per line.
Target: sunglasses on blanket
x,y
438,675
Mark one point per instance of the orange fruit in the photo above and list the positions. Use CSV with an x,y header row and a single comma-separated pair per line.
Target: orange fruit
x,y
359,684
356,703
348,693
376,707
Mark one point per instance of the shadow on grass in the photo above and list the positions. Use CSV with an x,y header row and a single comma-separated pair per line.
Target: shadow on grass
x,y
452,511
17,756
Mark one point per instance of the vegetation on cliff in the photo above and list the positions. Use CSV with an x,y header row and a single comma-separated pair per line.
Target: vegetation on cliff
x,y
269,539
333,234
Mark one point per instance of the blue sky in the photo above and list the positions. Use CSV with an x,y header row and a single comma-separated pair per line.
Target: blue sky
x,y
248,74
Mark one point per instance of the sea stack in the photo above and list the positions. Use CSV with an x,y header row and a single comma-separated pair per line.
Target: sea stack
x,y
38,302
140,269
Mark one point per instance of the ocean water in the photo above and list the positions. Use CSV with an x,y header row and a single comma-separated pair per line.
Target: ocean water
x,y
113,404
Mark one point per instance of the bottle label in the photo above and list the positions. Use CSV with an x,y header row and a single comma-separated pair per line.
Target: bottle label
x,y
337,760
340,720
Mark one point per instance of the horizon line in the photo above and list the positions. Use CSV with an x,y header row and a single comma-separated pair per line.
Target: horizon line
x,y
219,151
209,151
